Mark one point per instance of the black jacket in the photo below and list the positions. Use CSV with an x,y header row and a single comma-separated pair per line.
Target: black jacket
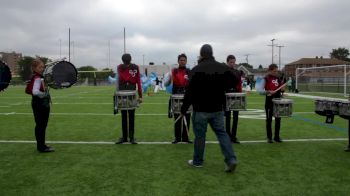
x,y
209,81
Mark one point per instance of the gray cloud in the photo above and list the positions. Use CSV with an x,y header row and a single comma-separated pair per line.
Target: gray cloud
x,y
159,30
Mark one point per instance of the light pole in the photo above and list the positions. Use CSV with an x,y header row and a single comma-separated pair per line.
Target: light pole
x,y
279,56
60,48
272,45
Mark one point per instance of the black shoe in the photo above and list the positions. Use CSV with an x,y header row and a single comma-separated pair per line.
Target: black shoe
x,y
188,141
132,141
269,141
278,140
236,141
175,142
47,149
231,167
121,140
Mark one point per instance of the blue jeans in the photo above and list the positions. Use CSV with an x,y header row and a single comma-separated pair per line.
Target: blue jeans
x,y
200,122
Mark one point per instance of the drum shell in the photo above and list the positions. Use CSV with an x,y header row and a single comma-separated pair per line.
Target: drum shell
x,y
176,103
125,100
327,107
60,74
344,109
282,107
235,102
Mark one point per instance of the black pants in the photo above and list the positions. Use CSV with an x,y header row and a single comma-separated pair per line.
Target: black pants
x,y
41,111
231,132
180,128
128,114
269,114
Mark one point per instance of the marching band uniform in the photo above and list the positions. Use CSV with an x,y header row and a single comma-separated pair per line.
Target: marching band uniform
x,y
128,78
272,82
233,132
180,82
179,78
40,105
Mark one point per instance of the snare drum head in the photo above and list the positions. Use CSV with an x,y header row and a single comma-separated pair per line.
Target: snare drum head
x,y
125,93
177,96
282,101
5,76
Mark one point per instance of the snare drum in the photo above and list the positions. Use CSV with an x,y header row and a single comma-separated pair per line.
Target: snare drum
x,y
236,101
176,103
325,107
344,109
125,100
60,74
282,107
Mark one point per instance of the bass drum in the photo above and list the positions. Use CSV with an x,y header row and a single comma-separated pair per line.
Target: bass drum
x,y
60,74
5,76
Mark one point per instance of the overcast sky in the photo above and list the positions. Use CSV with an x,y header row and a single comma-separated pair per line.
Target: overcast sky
x,y
159,30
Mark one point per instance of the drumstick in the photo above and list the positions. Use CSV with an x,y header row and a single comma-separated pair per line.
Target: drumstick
x,y
177,118
283,85
185,121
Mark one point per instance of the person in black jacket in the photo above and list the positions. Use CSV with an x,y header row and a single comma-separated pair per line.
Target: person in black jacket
x,y
209,81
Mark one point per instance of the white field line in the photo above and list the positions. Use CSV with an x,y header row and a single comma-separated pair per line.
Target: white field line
x,y
110,114
168,142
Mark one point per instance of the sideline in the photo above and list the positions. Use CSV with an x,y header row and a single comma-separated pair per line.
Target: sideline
x,y
168,142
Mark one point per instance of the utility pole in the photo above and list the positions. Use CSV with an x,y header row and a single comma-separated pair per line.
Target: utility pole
x,y
272,45
124,42
279,56
246,58
69,45
60,48
109,53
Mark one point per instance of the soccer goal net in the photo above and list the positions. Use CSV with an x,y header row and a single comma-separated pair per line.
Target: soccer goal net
x,y
327,79
95,78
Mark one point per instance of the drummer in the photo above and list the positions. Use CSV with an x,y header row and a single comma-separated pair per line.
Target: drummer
x,y
231,61
128,79
179,78
272,83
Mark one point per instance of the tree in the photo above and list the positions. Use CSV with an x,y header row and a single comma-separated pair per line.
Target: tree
x,y
25,71
340,53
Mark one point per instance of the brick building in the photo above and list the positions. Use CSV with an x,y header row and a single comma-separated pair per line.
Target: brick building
x,y
290,68
11,59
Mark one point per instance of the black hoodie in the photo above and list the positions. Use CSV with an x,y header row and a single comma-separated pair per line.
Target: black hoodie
x,y
209,81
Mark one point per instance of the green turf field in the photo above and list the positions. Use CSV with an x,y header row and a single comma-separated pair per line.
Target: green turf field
x,y
85,114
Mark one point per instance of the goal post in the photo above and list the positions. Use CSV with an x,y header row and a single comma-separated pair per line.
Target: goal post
x,y
324,79
94,78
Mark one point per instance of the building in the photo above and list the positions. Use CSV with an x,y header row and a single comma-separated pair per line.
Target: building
x,y
160,70
11,59
290,68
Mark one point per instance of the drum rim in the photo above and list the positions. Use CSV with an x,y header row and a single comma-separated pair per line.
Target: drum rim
x,y
125,92
235,93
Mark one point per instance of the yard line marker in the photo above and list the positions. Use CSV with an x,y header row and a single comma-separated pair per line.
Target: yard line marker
x,y
169,142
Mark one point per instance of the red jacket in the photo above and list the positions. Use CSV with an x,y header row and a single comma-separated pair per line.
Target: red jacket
x,y
272,83
180,79
129,77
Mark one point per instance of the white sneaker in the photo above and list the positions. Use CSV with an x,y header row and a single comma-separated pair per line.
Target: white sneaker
x,y
190,162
